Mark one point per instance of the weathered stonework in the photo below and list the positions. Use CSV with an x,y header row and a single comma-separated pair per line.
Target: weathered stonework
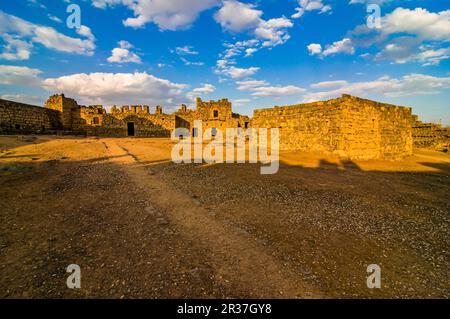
x,y
430,135
214,115
20,118
348,127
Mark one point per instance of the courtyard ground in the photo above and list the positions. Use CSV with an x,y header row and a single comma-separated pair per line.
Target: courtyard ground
x,y
140,226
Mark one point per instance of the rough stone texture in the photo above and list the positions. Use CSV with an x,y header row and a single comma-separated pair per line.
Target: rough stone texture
x,y
430,135
348,126
213,114
95,120
27,119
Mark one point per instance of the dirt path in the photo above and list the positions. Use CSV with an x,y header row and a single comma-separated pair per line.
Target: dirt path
x,y
237,259
140,226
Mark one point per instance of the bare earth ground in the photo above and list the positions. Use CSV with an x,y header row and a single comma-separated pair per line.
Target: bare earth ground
x,y
141,226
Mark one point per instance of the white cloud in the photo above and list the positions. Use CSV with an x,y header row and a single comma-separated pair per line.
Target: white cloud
x,y
412,84
408,35
343,46
167,15
54,18
419,22
240,102
237,16
251,84
117,88
273,32
122,54
24,98
314,48
310,5
186,50
263,88
31,33
19,75
200,91
235,72
15,49
405,49
277,91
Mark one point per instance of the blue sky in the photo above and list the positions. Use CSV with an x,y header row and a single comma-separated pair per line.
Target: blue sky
x,y
256,53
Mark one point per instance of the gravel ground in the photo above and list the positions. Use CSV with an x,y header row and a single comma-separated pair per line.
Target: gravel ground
x,y
140,226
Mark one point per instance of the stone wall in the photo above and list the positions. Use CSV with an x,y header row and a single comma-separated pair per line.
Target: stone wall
x,y
20,118
430,135
95,120
348,126
213,114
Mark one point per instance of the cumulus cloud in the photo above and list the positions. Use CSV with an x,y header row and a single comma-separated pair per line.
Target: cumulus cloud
x,y
408,35
117,88
239,73
408,49
250,84
273,32
167,15
15,49
25,34
310,5
236,16
343,46
314,48
122,54
419,22
277,91
19,75
263,88
200,91
411,84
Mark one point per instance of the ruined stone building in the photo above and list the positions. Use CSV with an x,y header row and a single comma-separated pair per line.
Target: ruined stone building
x,y
348,126
430,135
216,116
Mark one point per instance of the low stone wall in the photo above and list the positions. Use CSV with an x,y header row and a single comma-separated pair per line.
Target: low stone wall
x,y
430,136
20,118
348,126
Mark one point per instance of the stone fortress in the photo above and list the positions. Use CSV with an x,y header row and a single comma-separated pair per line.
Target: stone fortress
x,y
349,127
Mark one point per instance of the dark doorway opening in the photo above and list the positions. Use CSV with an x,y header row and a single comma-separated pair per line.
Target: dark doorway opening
x,y
130,129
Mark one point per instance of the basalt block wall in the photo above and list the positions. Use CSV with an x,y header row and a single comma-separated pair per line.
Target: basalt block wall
x,y
348,127
20,118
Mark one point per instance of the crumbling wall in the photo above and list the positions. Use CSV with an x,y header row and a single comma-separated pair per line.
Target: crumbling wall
x,y
430,135
65,106
213,114
348,126
20,118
